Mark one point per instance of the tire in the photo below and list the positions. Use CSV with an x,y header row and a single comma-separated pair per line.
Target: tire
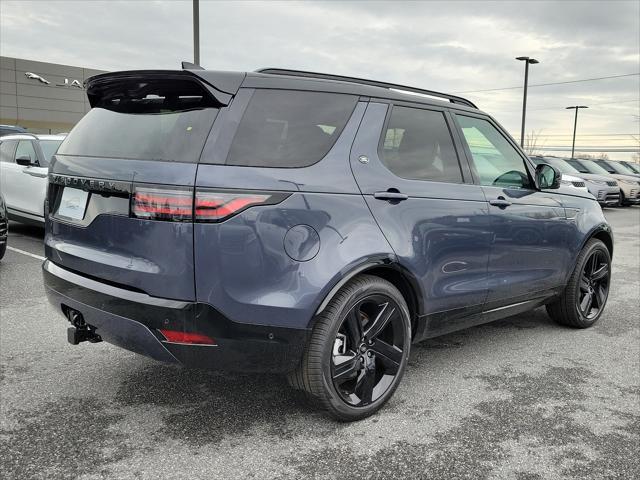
x,y
3,249
621,200
317,373
567,309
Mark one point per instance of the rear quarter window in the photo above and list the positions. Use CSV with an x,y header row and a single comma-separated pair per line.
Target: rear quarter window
x,y
289,129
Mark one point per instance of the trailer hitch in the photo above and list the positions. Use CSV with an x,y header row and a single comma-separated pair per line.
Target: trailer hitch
x,y
80,331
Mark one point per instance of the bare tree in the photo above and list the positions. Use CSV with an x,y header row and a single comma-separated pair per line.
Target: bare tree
x,y
532,143
588,156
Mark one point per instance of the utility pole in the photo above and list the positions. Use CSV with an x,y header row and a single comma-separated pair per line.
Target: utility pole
x,y
575,126
196,32
527,61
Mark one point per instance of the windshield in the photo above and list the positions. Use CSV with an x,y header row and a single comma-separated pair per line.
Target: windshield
x,y
170,136
593,167
49,147
633,168
563,166
144,119
621,169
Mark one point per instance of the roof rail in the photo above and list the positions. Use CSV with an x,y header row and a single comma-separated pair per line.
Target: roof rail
x,y
373,83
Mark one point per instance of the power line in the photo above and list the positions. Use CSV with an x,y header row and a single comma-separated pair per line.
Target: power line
x,y
552,83
588,134
590,105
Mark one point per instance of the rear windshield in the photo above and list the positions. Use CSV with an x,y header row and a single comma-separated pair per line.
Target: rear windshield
x,y
147,120
282,128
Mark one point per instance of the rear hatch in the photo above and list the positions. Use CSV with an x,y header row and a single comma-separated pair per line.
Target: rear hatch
x,y
121,184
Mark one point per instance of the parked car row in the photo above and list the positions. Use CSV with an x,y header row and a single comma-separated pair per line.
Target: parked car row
x,y
611,183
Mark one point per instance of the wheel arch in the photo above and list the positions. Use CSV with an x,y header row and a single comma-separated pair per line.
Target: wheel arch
x,y
603,233
388,269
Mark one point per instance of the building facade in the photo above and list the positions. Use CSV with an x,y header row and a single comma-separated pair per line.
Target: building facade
x,y
42,97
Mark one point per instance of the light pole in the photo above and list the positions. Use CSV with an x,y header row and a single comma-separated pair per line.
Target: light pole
x,y
196,32
527,61
575,125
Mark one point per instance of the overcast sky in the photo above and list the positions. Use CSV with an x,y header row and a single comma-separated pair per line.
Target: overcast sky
x,y
446,46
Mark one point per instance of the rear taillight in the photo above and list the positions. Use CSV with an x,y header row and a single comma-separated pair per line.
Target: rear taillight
x,y
216,206
177,203
157,203
191,338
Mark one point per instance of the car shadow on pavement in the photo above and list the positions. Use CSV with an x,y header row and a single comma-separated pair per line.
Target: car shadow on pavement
x,y
202,407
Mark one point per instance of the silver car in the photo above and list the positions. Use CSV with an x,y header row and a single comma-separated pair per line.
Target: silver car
x,y
604,188
24,162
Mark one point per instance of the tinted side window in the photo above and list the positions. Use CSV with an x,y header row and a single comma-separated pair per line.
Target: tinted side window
x,y
26,149
418,146
289,128
6,151
496,161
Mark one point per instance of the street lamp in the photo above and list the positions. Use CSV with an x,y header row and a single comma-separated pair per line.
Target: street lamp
x,y
575,124
527,61
196,32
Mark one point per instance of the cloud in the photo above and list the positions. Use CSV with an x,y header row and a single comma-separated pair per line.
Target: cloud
x,y
447,46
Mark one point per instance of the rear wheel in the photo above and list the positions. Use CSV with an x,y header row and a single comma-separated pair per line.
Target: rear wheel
x,y
358,349
585,296
3,249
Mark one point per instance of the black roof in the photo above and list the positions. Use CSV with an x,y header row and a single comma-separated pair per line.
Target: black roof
x,y
226,84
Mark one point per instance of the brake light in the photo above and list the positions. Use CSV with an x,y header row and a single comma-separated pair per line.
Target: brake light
x,y
154,203
192,338
215,206
176,204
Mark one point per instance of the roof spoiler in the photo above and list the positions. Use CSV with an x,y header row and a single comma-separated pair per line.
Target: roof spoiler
x,y
221,85
191,66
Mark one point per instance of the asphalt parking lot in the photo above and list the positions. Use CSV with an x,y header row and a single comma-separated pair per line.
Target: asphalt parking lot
x,y
518,399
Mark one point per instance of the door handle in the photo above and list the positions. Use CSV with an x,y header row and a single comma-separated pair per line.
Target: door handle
x,y
34,174
390,195
500,202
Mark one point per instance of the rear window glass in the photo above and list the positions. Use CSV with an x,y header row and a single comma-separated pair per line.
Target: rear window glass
x,y
417,145
150,120
289,128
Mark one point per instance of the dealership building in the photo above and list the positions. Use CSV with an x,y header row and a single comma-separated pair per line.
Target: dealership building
x,y
42,97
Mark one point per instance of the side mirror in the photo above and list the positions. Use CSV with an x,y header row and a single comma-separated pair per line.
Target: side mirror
x,y
24,161
547,176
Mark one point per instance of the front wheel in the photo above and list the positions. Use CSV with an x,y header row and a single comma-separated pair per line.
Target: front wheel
x,y
585,296
358,350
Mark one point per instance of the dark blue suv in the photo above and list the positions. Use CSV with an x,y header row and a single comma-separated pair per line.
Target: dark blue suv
x,y
307,224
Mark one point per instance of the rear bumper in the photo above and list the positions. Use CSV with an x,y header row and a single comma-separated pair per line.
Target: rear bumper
x,y
131,320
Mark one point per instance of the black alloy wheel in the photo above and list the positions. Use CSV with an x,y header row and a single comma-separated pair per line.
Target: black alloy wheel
x,y
368,350
583,300
358,349
594,285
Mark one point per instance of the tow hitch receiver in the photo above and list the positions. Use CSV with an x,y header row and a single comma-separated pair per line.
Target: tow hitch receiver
x,y
80,331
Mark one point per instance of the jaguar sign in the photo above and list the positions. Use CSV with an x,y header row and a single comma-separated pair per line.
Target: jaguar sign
x,y
41,79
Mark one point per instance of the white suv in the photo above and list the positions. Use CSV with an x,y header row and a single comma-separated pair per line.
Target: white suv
x,y
24,160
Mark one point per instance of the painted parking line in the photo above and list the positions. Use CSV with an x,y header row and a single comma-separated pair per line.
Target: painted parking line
x,y
17,250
